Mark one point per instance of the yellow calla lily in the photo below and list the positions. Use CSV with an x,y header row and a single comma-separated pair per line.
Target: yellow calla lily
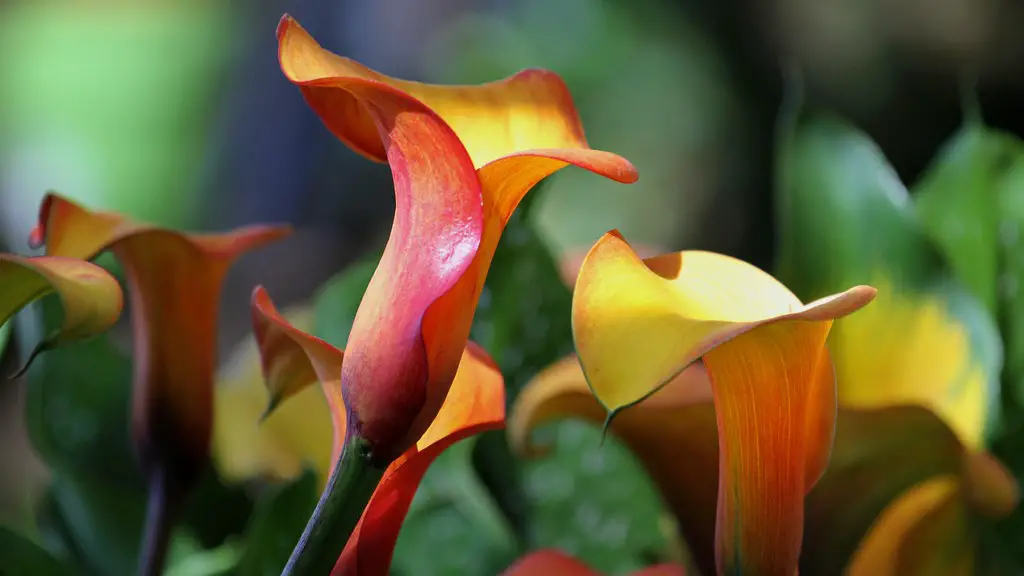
x,y
638,323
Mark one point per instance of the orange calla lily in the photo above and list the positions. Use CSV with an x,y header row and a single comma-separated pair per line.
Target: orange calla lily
x,y
174,283
556,563
91,297
638,323
462,158
294,360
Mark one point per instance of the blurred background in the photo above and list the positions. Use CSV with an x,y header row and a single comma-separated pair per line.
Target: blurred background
x,y
177,113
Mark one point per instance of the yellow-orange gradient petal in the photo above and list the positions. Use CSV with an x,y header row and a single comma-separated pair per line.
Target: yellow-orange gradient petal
x,y
174,284
990,488
639,323
514,132
293,360
475,404
279,446
923,532
91,298
672,432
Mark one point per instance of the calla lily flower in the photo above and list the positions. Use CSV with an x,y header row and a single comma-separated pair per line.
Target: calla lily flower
x,y
174,282
908,350
900,484
91,297
293,360
642,324
462,158
556,563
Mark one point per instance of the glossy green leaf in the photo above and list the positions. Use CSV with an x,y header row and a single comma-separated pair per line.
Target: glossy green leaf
x,y
842,212
454,511
188,558
276,525
19,555
957,201
845,218
77,414
5,336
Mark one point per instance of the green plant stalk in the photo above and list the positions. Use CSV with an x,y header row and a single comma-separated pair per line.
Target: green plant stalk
x,y
349,488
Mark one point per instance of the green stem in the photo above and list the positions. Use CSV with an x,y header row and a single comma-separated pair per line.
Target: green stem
x,y
349,488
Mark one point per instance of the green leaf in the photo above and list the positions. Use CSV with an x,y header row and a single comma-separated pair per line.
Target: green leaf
x,y
842,213
19,555
276,525
453,511
77,414
958,203
845,218
337,300
5,336
590,497
188,558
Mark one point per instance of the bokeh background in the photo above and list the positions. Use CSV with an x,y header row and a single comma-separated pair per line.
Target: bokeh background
x,y
177,113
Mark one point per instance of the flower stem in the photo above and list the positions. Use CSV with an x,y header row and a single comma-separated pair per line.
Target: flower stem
x,y
161,512
349,488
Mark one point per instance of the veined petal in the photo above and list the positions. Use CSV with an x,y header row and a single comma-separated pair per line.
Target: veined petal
x,y
921,533
672,432
475,404
639,323
91,298
909,349
514,133
175,281
550,562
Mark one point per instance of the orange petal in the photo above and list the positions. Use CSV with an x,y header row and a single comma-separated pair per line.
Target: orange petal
x,y
672,432
919,533
513,132
549,563
175,281
552,562
475,404
637,324
991,489
292,360
91,298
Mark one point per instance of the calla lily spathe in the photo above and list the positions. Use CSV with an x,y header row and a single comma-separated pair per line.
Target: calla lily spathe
x,y
462,158
639,323
174,282
90,296
294,360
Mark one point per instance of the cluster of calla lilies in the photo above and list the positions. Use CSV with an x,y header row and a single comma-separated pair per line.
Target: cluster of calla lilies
x,y
709,369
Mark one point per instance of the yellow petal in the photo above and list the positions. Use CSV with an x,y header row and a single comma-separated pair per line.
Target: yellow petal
x,y
637,324
909,349
91,298
296,434
919,534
